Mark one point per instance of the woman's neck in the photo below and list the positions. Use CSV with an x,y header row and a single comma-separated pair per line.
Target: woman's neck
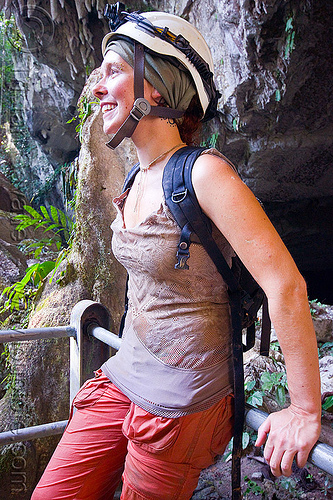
x,y
155,138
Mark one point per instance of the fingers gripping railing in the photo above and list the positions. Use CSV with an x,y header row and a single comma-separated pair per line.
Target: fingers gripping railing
x,y
321,454
90,342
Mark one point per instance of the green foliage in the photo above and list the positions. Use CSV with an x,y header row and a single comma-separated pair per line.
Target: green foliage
x,y
84,111
290,37
69,183
211,141
51,220
316,306
277,383
325,349
20,293
235,123
252,487
8,35
61,227
67,172
16,144
328,486
9,381
270,382
289,484
328,403
254,397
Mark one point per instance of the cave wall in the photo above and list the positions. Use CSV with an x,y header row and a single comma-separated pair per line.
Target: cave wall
x,y
273,65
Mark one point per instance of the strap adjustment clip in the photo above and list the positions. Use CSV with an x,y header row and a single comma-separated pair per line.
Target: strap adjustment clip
x,y
141,108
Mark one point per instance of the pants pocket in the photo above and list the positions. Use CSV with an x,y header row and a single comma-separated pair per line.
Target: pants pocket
x,y
150,432
91,391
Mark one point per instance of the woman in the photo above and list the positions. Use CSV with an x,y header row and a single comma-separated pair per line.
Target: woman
x,y
161,409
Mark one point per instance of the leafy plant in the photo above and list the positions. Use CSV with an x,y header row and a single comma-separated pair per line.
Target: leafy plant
x,y
275,382
254,397
55,220
252,487
19,293
23,292
84,111
9,381
275,346
290,38
69,183
328,403
272,382
316,306
235,124
289,484
328,486
325,349
211,141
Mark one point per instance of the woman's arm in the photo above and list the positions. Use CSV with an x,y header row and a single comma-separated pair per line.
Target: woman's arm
x,y
235,211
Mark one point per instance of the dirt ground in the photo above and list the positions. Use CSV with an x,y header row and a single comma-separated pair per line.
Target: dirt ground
x,y
309,483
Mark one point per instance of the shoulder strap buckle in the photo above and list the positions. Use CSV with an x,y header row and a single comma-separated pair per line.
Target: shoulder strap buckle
x,y
184,247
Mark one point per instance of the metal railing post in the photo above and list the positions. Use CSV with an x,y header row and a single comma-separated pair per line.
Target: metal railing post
x,y
86,353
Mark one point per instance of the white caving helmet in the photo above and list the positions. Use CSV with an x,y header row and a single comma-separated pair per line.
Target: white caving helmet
x,y
169,37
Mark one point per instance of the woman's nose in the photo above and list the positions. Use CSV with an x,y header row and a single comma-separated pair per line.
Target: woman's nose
x,y
99,90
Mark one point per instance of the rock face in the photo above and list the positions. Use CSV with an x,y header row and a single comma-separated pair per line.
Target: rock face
x,y
89,273
273,65
274,122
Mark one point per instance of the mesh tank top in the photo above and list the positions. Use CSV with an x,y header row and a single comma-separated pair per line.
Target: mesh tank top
x,y
175,356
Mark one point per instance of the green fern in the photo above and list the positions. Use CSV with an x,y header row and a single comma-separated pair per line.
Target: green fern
x,y
53,220
23,292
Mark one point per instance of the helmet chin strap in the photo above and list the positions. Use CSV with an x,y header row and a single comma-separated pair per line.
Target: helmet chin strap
x,y
141,106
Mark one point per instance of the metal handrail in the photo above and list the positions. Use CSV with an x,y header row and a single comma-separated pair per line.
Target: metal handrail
x,y
104,335
34,432
36,333
84,326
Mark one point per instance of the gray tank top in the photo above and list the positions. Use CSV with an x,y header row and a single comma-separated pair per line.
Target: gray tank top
x,y
175,356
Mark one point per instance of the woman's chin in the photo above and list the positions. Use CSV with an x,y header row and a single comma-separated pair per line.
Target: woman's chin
x,y
108,130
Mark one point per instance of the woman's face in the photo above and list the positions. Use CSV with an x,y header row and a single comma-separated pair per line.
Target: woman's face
x,y
115,91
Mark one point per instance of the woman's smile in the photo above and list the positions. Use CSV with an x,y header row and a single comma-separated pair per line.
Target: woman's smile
x,y
115,91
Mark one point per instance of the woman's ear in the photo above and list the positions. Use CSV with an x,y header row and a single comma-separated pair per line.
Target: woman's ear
x,y
157,97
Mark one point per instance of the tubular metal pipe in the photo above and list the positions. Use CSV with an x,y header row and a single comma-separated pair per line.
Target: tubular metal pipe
x,y
321,454
109,338
37,431
37,333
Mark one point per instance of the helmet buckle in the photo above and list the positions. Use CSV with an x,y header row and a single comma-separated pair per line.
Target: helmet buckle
x,y
141,108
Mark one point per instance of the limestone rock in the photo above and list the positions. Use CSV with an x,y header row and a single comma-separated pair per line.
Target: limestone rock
x,y
275,113
326,373
322,316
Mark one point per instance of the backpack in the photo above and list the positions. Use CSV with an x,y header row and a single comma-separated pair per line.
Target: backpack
x,y
245,295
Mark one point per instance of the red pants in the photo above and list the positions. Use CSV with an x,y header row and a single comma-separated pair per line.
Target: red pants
x,y
160,458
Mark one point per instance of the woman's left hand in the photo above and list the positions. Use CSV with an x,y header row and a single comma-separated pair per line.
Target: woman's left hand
x,y
291,433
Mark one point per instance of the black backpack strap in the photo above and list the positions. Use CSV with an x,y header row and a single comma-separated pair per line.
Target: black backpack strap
x,y
129,179
183,204
265,329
